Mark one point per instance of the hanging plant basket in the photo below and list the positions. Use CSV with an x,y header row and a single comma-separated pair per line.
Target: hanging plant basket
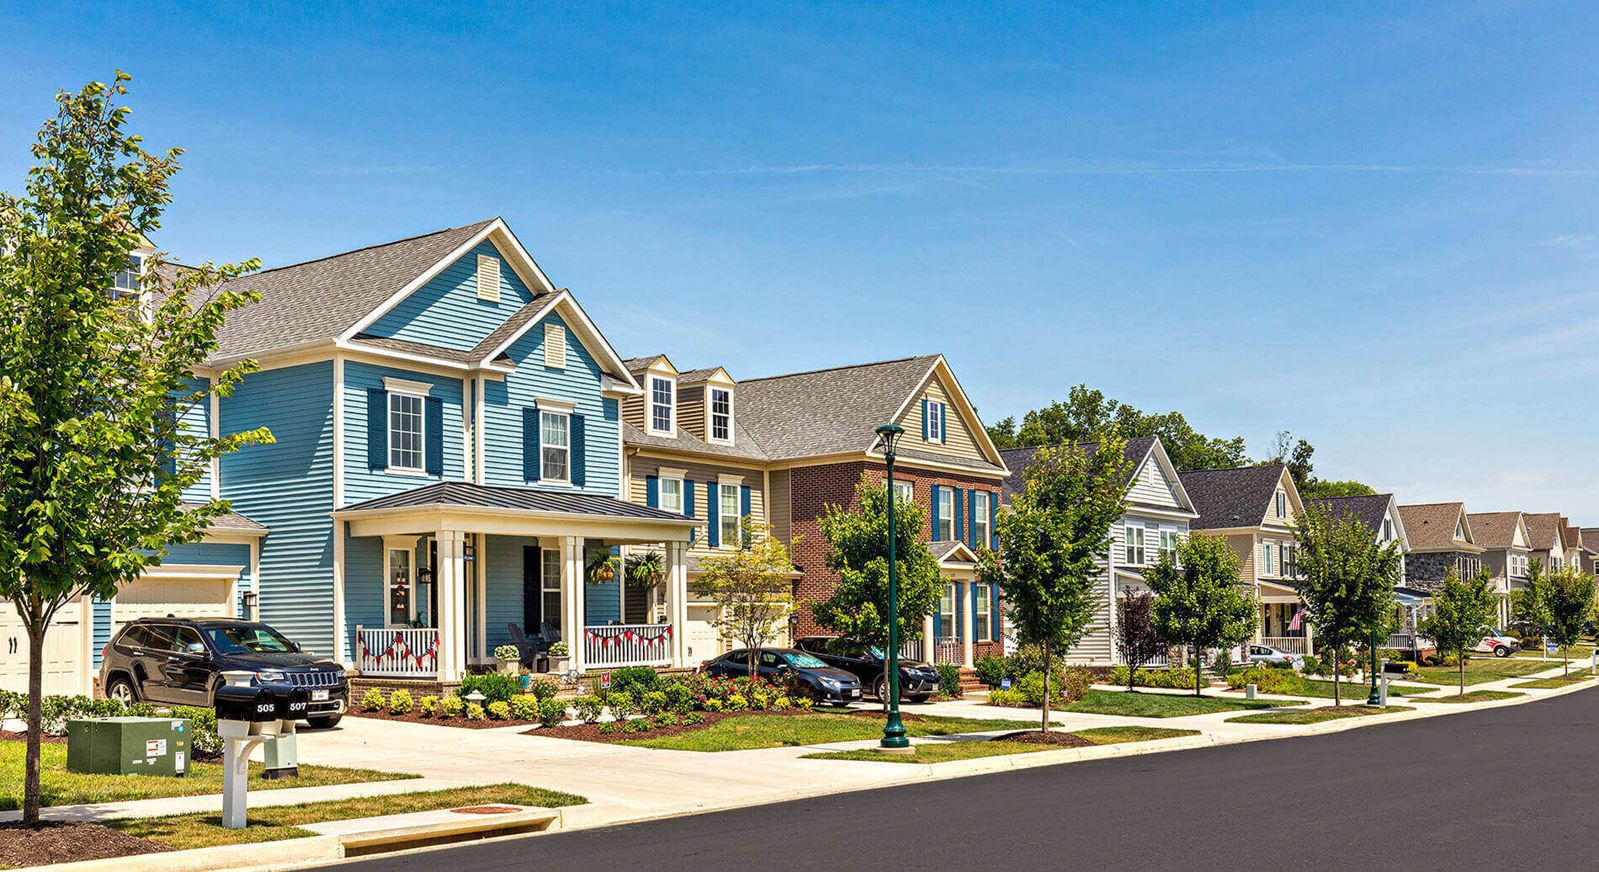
x,y
645,570
602,567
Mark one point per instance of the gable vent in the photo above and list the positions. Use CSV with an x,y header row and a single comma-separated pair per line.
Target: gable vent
x,y
488,277
555,346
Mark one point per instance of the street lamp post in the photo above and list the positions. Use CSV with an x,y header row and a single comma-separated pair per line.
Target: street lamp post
x,y
1373,698
894,739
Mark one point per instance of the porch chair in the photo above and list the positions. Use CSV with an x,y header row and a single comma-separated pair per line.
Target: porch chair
x,y
528,651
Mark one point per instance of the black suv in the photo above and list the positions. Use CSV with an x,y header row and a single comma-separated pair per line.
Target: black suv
x,y
917,680
180,661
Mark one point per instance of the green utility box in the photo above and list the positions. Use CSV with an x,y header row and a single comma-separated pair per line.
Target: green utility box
x,y
129,746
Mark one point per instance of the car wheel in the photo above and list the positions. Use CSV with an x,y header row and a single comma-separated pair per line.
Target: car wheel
x,y
326,723
1501,651
121,690
880,689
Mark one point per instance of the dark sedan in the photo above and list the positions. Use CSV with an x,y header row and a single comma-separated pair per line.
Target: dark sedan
x,y
824,683
917,680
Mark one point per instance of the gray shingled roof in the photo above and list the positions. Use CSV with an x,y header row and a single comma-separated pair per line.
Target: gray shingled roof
x,y
321,299
743,446
410,347
229,521
1369,509
1231,497
1018,459
460,493
516,322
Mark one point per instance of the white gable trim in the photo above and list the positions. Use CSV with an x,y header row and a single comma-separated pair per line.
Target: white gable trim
x,y
585,332
1399,523
1173,480
964,406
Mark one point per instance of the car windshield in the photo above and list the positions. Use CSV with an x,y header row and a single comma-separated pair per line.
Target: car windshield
x,y
248,639
801,660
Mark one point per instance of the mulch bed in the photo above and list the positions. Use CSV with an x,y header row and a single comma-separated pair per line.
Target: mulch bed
x,y
1038,737
8,736
67,841
414,718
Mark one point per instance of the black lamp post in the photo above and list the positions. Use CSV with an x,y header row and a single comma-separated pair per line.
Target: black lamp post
x,y
1375,697
894,731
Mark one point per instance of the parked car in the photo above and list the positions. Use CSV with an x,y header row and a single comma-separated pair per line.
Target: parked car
x,y
179,661
1524,630
1267,655
917,680
824,683
1497,643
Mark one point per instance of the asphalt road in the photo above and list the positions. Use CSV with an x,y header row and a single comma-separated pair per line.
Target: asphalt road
x,y
1512,787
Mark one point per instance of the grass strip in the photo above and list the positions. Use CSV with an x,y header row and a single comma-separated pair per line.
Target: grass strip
x,y
1162,705
1316,715
784,731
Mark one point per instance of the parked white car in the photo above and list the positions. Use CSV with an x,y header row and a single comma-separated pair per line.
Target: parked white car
x,y
1266,655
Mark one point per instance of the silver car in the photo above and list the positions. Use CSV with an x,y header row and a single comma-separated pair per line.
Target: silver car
x,y
1266,655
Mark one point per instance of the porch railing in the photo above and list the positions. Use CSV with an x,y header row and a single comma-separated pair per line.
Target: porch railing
x,y
1289,644
1409,641
402,651
912,650
947,649
627,645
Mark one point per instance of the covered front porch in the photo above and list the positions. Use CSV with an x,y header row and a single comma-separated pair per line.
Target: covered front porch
x,y
967,623
1282,626
434,580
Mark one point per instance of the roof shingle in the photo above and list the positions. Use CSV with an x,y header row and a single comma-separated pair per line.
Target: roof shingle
x,y
1369,509
1235,497
460,493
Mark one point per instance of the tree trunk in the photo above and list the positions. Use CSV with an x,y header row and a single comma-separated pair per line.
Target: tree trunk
x,y
885,686
1565,661
1337,688
30,782
1461,663
1049,666
1199,663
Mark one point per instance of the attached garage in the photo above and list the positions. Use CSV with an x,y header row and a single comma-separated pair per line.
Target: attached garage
x,y
180,592
701,641
66,651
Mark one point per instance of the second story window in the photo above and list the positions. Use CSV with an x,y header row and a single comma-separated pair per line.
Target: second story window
x,y
1282,504
728,517
405,432
1133,545
1289,557
980,518
672,495
946,514
1267,564
555,452
721,415
661,405
1168,545
1388,529
904,493
126,281
935,422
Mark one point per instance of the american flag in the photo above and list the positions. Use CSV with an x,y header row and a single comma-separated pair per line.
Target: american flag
x,y
1299,619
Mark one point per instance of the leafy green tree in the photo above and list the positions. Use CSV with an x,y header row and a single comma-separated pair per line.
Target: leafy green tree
x,y
1317,489
1569,598
750,587
1460,610
1086,413
93,461
1199,601
1529,604
1053,544
857,549
1345,578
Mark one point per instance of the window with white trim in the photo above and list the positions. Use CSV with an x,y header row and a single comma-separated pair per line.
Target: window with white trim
x,y
672,495
401,584
935,422
550,586
1282,504
1289,557
904,493
1168,545
405,431
946,613
1388,529
661,390
1133,545
980,517
1460,529
1266,559
729,517
555,446
721,415
985,613
946,513
126,281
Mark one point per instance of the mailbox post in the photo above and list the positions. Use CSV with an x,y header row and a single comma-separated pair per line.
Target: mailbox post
x,y
249,715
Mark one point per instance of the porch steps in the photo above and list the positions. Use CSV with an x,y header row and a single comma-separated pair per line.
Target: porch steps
x,y
969,682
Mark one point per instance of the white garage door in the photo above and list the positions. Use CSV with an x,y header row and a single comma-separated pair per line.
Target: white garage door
x,y
158,597
700,638
64,647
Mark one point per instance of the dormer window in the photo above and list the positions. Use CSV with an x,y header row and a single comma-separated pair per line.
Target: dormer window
x,y
1388,529
721,411
661,412
935,422
1460,529
126,281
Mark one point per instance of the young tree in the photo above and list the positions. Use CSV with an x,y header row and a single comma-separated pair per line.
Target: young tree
x,y
1135,632
1345,578
1529,604
1569,602
1199,602
93,461
1460,609
857,549
750,587
1054,541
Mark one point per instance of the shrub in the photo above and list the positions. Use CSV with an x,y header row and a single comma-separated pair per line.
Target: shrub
x,y
667,719
400,702
621,704
203,738
678,697
990,671
428,706
451,706
949,679
1012,698
543,688
804,703
652,702
55,711
693,718
634,680
552,712
474,712
1068,686
525,707
607,728
712,705
737,703
494,686
1075,683
499,711
782,702
588,708
13,704
373,700
635,726
759,700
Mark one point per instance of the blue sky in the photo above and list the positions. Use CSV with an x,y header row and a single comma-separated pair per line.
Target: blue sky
x,y
1377,230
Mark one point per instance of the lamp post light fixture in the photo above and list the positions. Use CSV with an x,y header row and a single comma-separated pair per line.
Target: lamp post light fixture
x,y
1375,697
894,740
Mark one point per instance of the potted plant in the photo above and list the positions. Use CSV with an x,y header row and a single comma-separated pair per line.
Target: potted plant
x,y
645,570
601,567
560,657
508,657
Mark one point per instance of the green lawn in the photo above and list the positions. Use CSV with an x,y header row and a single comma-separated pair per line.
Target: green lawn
x,y
1554,683
1316,715
1161,705
271,824
1473,696
1481,669
1293,684
60,787
1577,652
944,752
780,731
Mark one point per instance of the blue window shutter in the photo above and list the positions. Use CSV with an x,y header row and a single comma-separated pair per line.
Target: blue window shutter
x,y
433,445
993,525
943,422
932,513
744,500
530,443
713,504
652,491
688,507
960,612
994,615
377,428
960,516
924,419
575,437
971,519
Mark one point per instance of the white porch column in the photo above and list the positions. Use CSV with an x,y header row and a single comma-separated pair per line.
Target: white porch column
x,y
677,600
969,607
450,576
929,650
480,583
572,608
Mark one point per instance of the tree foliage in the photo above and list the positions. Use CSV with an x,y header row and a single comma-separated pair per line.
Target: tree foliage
x,y
1345,578
1319,489
1568,598
1053,544
1528,603
750,587
93,460
1087,412
1136,639
1461,608
1199,601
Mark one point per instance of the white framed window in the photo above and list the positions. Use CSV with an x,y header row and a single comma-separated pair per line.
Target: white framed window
x,y
661,408
406,411
946,513
728,516
1282,504
671,496
488,277
1460,529
550,586
126,281
554,346
1388,529
935,422
904,493
1289,555
555,446
946,612
980,519
1266,552
721,411
985,614
1168,545
400,585
1133,545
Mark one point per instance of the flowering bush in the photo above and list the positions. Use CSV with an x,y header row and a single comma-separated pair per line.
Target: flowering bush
x,y
451,706
499,710
400,702
428,706
373,700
